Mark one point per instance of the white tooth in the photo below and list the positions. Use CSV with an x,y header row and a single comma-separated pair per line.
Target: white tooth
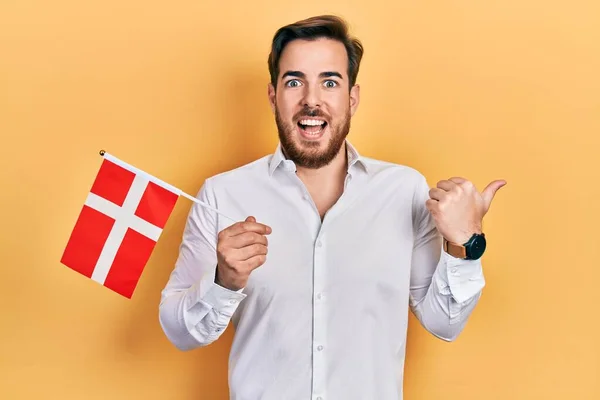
x,y
311,122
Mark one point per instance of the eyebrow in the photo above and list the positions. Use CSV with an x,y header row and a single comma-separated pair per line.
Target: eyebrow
x,y
300,74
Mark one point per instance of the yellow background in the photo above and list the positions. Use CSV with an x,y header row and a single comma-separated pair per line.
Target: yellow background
x,y
481,89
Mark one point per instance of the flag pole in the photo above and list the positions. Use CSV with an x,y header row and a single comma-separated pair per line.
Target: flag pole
x,y
181,192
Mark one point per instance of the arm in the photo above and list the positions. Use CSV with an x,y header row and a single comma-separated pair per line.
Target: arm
x,y
444,290
194,311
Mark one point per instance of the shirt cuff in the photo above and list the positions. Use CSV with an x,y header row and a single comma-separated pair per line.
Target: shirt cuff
x,y
463,279
217,297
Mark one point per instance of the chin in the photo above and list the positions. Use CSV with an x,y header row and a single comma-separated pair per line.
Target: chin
x,y
310,141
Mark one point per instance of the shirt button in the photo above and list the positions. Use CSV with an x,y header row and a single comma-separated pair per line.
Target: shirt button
x,y
232,301
319,348
319,296
319,244
319,398
454,270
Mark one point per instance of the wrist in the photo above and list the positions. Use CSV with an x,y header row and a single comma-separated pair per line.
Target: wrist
x,y
461,238
471,249
218,280
229,286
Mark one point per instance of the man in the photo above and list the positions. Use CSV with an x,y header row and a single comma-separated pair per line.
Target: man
x,y
332,248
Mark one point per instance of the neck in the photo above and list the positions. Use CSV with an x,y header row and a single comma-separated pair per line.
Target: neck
x,y
326,184
330,174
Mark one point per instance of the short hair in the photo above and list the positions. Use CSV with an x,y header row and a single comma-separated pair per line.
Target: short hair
x,y
323,26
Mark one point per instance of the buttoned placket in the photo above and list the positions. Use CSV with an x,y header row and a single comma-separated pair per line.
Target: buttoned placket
x,y
320,316
319,334
319,313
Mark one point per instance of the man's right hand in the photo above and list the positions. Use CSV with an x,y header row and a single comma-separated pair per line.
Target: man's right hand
x,y
241,248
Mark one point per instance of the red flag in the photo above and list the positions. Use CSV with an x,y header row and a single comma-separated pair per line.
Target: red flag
x,y
119,225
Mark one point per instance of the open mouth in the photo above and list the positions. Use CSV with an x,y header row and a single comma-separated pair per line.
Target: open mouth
x,y
312,127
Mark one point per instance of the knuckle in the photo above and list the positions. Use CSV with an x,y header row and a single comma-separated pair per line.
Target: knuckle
x,y
229,260
245,238
236,266
261,239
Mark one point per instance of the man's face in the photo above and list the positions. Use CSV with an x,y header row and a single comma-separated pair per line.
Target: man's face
x,y
313,104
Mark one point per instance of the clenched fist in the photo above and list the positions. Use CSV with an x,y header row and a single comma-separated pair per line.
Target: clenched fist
x,y
241,248
458,208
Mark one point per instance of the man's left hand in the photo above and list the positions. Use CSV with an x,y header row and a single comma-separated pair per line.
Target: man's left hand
x,y
458,208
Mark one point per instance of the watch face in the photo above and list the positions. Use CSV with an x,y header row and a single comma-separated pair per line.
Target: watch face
x,y
477,247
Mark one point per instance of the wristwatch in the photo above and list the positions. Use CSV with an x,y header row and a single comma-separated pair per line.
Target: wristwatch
x,y
473,249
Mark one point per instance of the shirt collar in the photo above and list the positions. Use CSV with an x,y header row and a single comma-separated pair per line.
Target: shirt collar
x,y
278,159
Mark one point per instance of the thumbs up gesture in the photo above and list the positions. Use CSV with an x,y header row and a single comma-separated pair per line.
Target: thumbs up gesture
x,y
458,208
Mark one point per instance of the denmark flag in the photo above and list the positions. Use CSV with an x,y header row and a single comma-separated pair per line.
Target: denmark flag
x,y
119,225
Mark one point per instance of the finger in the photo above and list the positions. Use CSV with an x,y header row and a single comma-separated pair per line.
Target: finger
x,y
255,262
432,205
246,239
446,185
437,194
249,225
457,179
490,191
253,250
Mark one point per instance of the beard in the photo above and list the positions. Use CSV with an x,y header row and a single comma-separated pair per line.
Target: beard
x,y
309,155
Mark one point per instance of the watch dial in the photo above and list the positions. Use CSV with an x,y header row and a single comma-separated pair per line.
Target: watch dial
x,y
477,248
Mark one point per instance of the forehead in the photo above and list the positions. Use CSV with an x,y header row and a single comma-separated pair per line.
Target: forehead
x,y
314,56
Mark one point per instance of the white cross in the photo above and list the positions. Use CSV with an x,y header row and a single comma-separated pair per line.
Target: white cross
x,y
124,218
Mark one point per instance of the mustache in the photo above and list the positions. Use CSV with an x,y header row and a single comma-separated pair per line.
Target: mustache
x,y
310,112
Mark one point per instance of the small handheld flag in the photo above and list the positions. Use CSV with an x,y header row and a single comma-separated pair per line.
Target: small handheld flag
x,y
118,227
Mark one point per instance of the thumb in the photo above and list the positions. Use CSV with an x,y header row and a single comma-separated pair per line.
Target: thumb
x,y
490,191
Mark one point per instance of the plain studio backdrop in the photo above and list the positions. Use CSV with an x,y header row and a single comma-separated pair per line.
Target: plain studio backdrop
x,y
507,90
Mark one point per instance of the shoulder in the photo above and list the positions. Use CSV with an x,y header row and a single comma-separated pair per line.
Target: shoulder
x,y
396,172
250,172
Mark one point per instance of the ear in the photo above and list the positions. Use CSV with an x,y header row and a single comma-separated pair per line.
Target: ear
x,y
271,95
354,98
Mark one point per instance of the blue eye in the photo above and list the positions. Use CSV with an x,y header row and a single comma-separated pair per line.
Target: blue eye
x,y
293,83
330,84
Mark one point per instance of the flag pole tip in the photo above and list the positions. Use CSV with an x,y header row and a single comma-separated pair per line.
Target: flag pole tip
x,y
102,152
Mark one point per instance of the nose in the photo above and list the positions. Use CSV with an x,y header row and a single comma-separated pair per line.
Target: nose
x,y
312,96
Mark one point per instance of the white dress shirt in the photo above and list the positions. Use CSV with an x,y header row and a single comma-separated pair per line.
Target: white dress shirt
x,y
325,318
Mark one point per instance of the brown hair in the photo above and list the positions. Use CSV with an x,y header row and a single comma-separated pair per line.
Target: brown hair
x,y
324,26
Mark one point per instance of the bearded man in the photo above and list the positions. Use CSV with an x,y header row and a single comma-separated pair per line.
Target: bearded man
x,y
332,248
